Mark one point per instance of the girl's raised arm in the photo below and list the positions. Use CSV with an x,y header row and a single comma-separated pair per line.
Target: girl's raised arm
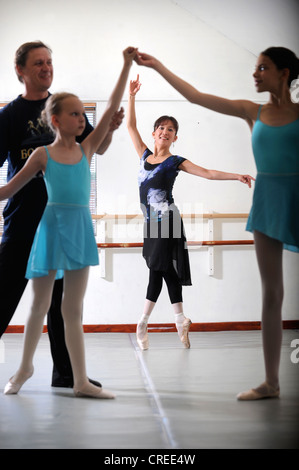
x,y
36,162
240,108
131,118
96,137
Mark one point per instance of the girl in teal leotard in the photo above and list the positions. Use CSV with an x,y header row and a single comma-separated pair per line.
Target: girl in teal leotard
x,y
276,201
64,239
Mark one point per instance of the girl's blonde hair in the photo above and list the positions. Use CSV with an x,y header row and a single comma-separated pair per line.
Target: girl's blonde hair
x,y
54,107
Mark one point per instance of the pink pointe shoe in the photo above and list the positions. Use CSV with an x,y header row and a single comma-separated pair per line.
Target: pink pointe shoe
x,y
12,387
263,391
185,333
142,336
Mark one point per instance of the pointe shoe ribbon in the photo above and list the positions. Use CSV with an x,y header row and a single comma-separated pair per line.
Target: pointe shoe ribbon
x,y
263,391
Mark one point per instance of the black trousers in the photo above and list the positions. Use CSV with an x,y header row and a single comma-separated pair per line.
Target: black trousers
x,y
172,281
13,263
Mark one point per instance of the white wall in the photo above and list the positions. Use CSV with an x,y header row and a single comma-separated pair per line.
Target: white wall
x,y
214,45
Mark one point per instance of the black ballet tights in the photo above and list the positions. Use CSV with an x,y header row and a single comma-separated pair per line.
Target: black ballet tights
x,y
172,281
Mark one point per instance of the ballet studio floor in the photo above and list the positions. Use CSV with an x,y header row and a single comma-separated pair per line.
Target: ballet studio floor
x,y
167,397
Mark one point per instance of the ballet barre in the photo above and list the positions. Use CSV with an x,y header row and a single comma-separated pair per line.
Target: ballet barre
x,y
184,216
102,244
210,244
205,215
189,243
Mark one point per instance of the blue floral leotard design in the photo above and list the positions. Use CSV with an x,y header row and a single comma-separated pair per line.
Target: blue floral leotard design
x,y
164,238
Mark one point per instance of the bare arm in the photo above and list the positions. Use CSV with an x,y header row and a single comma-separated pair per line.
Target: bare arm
x,y
240,108
96,137
196,170
36,162
131,118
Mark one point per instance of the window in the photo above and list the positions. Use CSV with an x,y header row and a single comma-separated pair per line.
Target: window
x,y
90,109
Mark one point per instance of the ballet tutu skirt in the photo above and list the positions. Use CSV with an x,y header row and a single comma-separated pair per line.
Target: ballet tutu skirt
x,y
275,205
275,209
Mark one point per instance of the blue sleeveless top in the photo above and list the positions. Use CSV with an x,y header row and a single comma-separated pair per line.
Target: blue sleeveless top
x,y
64,239
275,205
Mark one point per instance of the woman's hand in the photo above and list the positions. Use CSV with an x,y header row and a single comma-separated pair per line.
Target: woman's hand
x,y
134,86
246,179
145,59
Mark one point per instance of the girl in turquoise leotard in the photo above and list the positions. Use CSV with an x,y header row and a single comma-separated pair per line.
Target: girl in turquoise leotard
x,y
276,197
64,238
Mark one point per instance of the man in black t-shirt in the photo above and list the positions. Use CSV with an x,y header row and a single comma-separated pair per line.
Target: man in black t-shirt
x,y
21,131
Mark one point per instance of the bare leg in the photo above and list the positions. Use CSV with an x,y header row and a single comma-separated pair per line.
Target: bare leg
x,y
42,293
269,253
75,283
269,257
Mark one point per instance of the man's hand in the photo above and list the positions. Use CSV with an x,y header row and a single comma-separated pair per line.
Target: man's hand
x,y
116,120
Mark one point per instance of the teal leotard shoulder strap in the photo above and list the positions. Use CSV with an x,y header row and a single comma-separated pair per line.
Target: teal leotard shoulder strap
x,y
47,151
259,112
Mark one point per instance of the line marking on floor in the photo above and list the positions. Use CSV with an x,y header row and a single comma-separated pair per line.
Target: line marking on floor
x,y
154,396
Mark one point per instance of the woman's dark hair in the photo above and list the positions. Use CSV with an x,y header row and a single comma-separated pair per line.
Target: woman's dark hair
x,y
162,119
284,58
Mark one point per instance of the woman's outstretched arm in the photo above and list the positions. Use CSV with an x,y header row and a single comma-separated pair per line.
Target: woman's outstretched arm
x,y
196,170
240,108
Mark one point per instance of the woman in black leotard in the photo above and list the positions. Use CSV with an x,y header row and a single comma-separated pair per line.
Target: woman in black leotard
x,y
164,248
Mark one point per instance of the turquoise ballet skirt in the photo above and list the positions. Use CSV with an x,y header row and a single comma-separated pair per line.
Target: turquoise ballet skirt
x,y
64,239
275,206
